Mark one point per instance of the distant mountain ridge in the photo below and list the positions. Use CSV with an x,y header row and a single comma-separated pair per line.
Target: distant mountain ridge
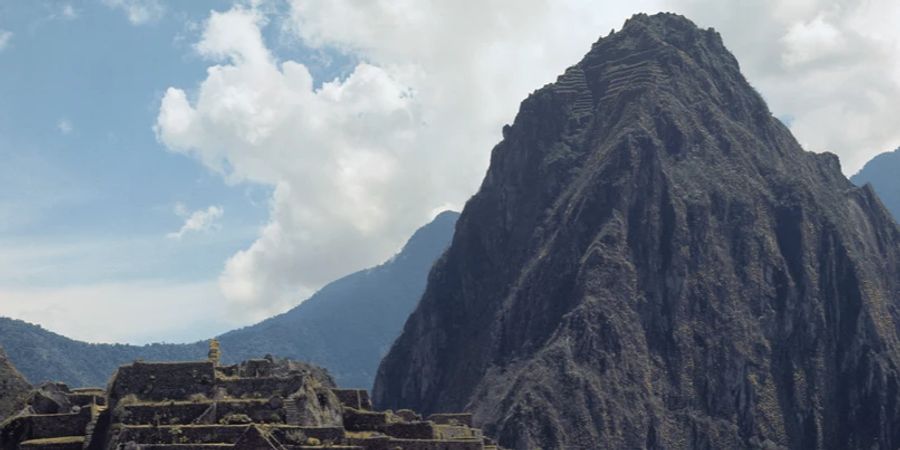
x,y
883,173
346,327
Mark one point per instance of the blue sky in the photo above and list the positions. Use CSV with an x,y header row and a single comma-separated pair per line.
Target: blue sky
x,y
173,169
87,193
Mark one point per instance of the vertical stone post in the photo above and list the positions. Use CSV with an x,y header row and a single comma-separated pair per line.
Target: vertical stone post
x,y
214,352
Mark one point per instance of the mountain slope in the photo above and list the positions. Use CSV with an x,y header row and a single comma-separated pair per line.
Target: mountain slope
x,y
652,261
42,355
345,327
349,325
13,387
883,172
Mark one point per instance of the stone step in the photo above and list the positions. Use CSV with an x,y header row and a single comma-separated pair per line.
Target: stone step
x,y
185,446
212,434
292,414
186,413
331,447
632,58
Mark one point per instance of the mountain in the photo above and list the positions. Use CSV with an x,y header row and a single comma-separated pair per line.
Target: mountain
x,y
13,387
652,261
883,172
345,327
42,355
349,325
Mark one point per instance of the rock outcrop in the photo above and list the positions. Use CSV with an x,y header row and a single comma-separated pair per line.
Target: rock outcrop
x,y
652,261
13,387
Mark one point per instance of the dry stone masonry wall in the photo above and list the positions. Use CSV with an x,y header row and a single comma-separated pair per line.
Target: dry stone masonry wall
x,y
258,404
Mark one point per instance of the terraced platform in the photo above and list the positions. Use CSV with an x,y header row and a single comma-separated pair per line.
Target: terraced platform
x,y
258,404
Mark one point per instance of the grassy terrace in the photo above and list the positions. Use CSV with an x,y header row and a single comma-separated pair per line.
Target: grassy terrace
x,y
195,402
55,440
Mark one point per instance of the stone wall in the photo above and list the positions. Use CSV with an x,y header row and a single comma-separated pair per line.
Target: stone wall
x,y
358,420
163,413
43,426
259,411
452,419
422,444
197,406
354,398
261,387
163,381
182,434
410,430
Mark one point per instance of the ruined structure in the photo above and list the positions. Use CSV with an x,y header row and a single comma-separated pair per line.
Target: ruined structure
x,y
13,387
258,404
215,352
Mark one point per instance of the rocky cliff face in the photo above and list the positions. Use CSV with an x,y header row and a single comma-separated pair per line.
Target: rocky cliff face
x,y
652,261
13,387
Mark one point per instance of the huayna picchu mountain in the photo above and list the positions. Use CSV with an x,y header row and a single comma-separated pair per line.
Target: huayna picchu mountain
x,y
653,261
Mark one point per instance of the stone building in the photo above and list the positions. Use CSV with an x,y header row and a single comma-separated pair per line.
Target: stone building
x,y
257,404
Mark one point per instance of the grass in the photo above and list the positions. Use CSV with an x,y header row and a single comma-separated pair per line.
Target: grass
x,y
55,440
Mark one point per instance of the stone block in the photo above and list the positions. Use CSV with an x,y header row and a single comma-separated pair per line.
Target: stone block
x,y
452,419
163,381
410,430
358,420
354,398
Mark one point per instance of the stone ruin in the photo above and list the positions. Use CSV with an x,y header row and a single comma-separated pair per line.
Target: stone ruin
x,y
258,404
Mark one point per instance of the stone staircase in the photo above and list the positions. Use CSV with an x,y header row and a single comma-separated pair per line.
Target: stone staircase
x,y
292,414
629,76
97,413
574,84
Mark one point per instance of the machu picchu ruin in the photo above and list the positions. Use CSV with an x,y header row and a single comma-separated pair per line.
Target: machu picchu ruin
x,y
266,403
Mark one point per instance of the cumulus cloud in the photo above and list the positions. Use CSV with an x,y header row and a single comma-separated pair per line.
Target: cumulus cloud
x,y
138,12
5,37
833,66
357,163
198,221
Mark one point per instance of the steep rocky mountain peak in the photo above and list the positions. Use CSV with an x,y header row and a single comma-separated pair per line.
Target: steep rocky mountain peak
x,y
652,261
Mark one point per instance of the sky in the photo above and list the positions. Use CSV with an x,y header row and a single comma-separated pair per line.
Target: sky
x,y
172,170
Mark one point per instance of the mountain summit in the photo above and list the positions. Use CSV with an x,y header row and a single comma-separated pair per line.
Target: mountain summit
x,y
653,261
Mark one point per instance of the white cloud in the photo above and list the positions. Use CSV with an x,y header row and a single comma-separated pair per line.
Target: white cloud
x,y
137,312
64,126
139,12
197,221
359,162
833,65
140,287
5,37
